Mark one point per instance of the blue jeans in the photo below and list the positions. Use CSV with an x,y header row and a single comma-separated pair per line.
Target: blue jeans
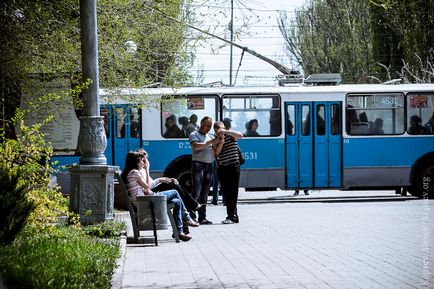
x,y
173,197
202,177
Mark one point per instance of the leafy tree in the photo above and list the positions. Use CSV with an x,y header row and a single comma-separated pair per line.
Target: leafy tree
x,y
404,37
43,37
360,38
331,36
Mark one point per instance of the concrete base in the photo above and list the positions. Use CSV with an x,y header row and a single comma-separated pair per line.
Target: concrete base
x,y
92,192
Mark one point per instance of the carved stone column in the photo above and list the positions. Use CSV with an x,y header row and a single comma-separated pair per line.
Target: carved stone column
x,y
92,140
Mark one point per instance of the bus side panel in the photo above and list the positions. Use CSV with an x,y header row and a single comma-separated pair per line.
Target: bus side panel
x,y
382,161
163,152
259,154
264,166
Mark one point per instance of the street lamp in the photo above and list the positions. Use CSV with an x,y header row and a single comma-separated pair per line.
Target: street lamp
x,y
92,181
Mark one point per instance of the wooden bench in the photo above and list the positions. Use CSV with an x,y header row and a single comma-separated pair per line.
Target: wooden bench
x,y
134,219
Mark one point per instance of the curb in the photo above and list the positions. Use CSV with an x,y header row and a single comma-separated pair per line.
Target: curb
x,y
327,199
118,274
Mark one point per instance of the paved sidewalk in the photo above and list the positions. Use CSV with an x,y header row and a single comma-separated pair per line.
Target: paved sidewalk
x,y
295,245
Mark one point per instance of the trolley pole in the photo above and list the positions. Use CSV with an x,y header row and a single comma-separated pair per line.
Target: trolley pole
x,y
92,189
232,40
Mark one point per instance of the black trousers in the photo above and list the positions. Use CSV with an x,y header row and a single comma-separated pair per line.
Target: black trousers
x,y
187,199
229,178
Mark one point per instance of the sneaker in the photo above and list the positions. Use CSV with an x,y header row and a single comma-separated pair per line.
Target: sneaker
x,y
306,192
236,219
227,221
205,222
296,193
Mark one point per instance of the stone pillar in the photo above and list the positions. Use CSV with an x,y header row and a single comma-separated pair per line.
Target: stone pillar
x,y
92,181
92,192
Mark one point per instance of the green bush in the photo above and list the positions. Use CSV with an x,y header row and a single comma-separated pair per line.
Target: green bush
x,y
14,205
27,158
107,229
65,258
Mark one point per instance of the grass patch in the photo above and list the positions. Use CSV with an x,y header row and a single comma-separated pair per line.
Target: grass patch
x,y
65,258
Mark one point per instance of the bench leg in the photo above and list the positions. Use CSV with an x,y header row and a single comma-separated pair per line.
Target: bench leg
x,y
154,226
173,224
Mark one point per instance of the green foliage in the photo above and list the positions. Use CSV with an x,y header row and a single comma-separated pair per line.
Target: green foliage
x,y
331,37
404,32
27,158
62,259
43,37
107,229
14,205
360,38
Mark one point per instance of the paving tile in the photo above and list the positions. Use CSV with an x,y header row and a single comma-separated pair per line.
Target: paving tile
x,y
294,245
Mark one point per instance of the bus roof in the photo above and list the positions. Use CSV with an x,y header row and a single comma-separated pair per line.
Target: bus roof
x,y
344,88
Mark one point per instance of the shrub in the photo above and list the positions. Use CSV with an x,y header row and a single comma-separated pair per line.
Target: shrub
x,y
107,229
65,258
28,159
14,205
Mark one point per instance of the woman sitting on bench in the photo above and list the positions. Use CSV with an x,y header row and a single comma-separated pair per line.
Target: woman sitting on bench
x,y
137,182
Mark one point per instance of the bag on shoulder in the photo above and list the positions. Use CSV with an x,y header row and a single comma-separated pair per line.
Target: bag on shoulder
x,y
241,157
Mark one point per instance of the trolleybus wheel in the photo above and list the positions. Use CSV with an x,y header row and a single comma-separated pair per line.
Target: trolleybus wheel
x,y
423,186
184,178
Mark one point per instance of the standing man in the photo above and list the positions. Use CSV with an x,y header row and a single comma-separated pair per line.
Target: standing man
x,y
227,155
201,167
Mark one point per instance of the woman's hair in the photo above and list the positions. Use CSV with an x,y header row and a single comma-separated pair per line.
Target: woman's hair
x,y
142,152
130,164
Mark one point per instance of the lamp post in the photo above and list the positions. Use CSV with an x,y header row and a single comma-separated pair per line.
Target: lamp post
x,y
92,181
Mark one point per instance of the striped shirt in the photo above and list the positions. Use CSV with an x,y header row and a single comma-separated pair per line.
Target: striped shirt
x,y
229,153
133,186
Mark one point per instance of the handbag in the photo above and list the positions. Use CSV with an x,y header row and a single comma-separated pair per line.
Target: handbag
x,y
241,156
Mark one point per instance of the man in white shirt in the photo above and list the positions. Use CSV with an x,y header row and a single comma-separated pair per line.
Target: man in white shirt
x,y
201,168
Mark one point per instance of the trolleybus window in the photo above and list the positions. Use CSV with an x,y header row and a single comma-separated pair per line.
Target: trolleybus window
x,y
320,123
336,120
105,112
420,114
134,122
305,115
290,129
181,116
375,114
120,122
254,115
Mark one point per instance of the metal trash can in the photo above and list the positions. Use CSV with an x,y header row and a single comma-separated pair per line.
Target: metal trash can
x,y
144,214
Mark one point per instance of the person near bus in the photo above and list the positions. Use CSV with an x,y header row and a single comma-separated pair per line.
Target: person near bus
x,y
172,129
138,184
251,127
378,126
201,166
165,184
415,125
228,170
192,125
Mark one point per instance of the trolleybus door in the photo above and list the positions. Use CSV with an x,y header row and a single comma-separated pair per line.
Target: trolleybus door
x,y
299,145
313,145
125,132
327,145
